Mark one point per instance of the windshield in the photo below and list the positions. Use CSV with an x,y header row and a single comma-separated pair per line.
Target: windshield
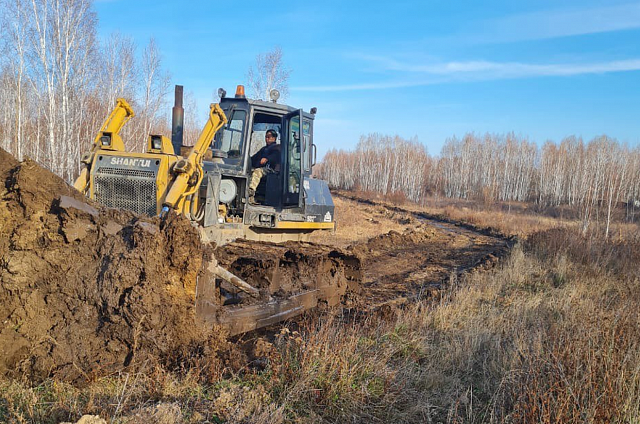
x,y
230,138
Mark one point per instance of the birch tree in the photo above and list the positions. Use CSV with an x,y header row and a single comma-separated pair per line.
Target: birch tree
x,y
14,49
59,83
61,36
269,72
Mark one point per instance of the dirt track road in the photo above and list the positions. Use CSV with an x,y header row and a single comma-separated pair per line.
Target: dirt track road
x,y
418,261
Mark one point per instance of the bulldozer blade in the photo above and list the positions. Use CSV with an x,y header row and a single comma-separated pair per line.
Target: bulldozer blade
x,y
271,283
237,319
241,319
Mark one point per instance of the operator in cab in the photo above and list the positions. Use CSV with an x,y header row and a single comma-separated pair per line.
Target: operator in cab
x,y
267,159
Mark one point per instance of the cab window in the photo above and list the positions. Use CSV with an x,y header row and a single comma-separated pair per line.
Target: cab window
x,y
230,139
306,144
294,149
261,123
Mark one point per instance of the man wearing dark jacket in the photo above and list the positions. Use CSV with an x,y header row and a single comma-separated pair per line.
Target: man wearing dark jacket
x,y
267,157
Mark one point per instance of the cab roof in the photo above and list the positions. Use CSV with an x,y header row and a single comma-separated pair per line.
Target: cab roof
x,y
271,105
279,108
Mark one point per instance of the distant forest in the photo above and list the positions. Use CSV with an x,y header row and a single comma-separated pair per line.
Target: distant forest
x,y
595,178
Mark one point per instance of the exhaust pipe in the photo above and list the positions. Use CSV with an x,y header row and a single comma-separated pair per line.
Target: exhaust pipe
x,y
177,123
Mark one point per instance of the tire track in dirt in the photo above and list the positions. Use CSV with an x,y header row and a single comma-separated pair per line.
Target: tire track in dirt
x,y
420,262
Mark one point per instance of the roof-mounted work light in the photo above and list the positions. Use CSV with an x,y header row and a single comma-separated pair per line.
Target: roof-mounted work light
x,y
156,142
274,95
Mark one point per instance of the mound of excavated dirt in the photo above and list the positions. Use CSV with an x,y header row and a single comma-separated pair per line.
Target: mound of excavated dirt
x,y
394,239
280,270
85,290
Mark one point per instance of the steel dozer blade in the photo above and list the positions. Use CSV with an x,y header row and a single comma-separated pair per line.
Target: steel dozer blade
x,y
241,319
229,301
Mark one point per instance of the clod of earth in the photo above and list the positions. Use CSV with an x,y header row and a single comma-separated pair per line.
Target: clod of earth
x,y
85,291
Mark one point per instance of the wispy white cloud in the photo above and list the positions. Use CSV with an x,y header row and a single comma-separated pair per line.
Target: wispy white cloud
x,y
484,69
413,75
560,23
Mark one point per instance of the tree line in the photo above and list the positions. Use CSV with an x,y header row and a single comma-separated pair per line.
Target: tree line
x,y
58,82
593,177
380,163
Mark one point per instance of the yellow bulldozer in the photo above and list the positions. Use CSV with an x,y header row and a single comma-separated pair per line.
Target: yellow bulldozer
x,y
210,184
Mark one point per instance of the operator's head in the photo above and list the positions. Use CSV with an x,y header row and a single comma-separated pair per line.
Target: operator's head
x,y
270,137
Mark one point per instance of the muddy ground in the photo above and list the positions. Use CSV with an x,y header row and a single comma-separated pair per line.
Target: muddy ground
x,y
86,291
408,255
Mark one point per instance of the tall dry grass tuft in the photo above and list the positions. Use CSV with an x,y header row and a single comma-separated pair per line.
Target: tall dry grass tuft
x,y
616,257
561,332
331,370
585,363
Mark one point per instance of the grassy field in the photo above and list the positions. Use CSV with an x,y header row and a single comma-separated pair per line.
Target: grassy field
x,y
551,334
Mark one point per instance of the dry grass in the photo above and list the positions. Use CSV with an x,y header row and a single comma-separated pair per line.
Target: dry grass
x,y
550,335
355,220
505,222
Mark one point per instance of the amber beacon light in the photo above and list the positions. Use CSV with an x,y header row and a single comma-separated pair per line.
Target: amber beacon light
x,y
240,91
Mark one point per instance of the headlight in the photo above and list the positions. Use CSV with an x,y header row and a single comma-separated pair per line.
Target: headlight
x,y
156,143
105,139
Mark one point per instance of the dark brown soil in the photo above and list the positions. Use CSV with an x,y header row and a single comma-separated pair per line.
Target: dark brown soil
x,y
418,258
86,291
280,270
420,263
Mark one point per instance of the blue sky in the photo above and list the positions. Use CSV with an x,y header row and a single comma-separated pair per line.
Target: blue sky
x,y
431,69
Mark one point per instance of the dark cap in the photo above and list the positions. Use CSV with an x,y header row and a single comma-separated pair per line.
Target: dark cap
x,y
272,133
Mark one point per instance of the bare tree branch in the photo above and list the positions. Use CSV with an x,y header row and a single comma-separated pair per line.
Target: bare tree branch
x,y
267,73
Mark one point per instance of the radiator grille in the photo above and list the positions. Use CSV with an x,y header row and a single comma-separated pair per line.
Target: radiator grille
x,y
130,189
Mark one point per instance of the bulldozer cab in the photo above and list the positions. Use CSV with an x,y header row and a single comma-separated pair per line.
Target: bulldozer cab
x,y
244,136
288,200
281,186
